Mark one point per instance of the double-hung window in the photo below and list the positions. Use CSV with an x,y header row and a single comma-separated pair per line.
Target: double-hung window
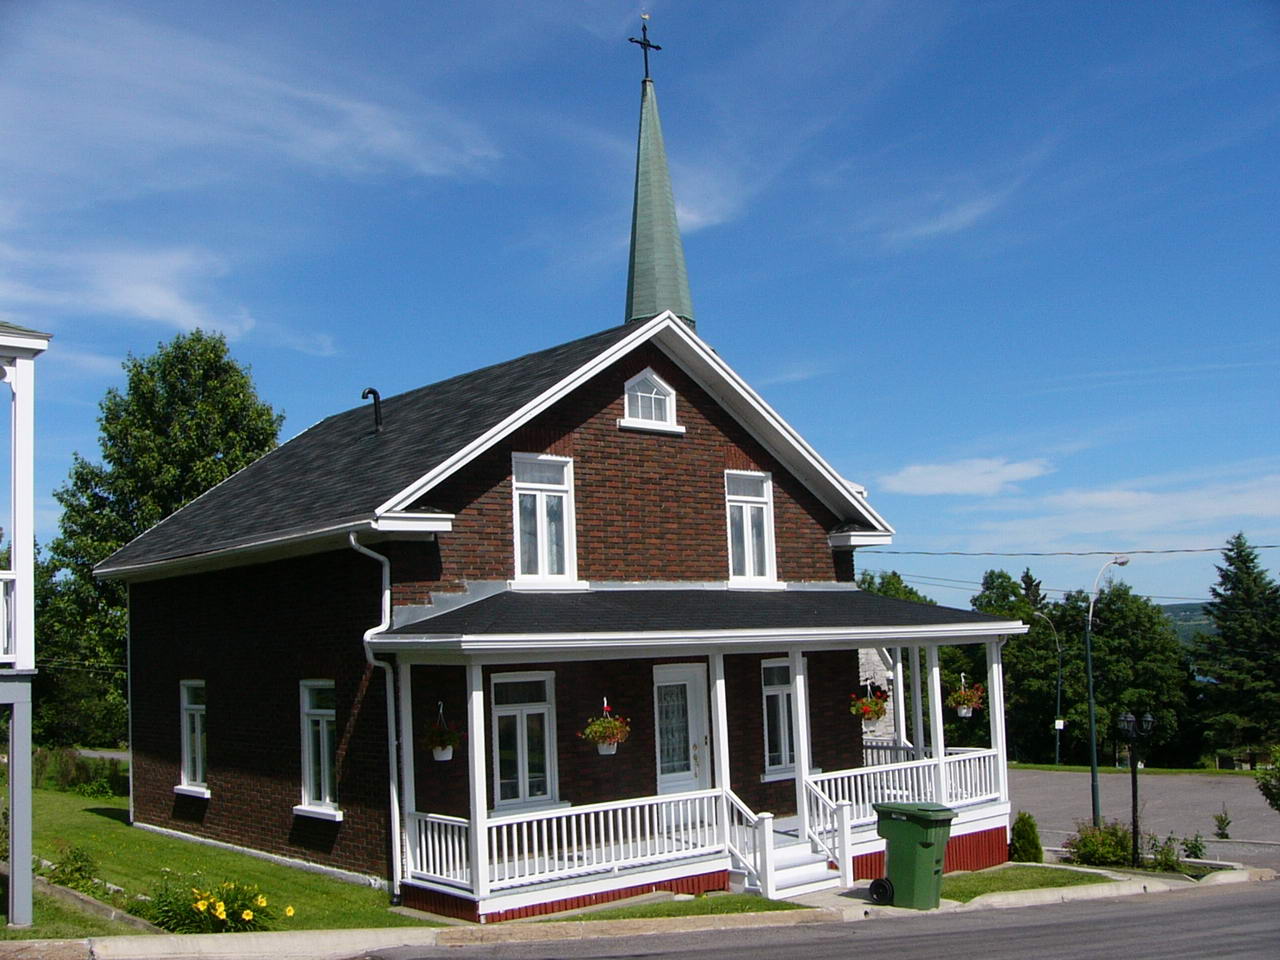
x,y
749,504
319,750
524,737
650,404
779,734
192,700
542,491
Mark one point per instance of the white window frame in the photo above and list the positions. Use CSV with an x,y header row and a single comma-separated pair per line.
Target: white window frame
x,y
541,579
324,807
546,707
746,503
631,420
193,779
785,692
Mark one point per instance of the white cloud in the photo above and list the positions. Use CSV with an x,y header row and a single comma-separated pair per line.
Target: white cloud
x,y
979,476
955,216
81,362
795,372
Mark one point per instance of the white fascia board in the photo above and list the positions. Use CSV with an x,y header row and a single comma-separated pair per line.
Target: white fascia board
x,y
859,538
713,375
23,344
639,640
400,522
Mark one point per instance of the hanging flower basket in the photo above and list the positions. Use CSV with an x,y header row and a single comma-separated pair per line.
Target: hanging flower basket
x,y
870,707
441,737
966,700
606,731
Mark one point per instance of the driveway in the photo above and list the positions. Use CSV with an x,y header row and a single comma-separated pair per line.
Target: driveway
x,y
1181,804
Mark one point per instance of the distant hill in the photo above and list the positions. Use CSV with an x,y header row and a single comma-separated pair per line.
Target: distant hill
x,y
1188,619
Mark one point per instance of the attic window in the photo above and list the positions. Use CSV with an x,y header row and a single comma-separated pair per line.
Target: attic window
x,y
651,404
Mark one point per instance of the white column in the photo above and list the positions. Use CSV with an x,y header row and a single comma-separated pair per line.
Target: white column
x,y
800,723
917,705
995,711
479,832
720,741
20,903
937,742
408,775
899,699
21,373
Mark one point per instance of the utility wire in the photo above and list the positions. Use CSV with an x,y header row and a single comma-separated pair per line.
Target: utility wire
x,y
949,583
1059,553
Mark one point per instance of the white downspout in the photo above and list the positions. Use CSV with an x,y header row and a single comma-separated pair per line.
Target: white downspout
x,y
393,748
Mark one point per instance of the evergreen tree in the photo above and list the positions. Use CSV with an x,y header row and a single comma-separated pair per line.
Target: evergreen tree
x,y
188,418
1242,660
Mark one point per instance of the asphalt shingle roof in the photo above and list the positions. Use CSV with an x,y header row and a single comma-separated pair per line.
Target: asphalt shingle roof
x,y
339,470
623,611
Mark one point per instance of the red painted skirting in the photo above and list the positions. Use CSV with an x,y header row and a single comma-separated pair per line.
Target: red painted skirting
x,y
970,851
448,905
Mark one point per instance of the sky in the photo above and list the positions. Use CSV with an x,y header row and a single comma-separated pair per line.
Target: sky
x,y
1011,266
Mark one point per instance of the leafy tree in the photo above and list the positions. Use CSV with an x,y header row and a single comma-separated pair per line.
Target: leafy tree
x,y
890,584
1242,660
189,417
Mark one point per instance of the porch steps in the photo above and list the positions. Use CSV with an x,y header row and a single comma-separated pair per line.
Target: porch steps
x,y
797,870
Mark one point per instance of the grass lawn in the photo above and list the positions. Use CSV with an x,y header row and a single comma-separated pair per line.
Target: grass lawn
x,y
965,886
698,906
1146,771
55,920
133,858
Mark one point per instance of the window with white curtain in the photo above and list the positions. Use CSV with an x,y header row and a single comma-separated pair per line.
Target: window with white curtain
x,y
749,508
542,495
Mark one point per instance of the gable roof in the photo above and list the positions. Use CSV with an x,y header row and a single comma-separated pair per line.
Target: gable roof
x,y
339,475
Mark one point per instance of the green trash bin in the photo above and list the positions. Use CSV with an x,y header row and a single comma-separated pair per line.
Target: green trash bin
x,y
916,837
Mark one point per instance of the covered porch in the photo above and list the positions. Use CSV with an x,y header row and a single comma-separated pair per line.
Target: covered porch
x,y
520,848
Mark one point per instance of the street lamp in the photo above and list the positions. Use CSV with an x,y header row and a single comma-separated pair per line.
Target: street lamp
x,y
1057,710
1132,732
1118,561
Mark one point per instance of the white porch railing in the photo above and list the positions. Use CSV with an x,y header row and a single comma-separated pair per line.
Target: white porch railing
x,y
529,848
751,843
828,829
438,848
8,646
877,752
971,775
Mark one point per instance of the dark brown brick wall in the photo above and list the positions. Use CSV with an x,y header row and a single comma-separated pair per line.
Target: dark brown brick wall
x,y
649,506
252,634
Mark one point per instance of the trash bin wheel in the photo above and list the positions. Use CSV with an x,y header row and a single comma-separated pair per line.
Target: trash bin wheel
x,y
881,891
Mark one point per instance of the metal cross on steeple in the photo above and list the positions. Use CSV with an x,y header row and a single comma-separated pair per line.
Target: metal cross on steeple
x,y
645,45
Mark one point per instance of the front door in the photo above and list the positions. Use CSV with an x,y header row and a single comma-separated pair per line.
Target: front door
x,y
680,719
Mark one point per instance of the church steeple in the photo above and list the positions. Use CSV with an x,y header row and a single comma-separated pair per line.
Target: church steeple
x,y
656,277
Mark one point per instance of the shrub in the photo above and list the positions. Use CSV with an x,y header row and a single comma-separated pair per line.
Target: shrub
x,y
62,768
1221,821
1269,781
1110,845
191,904
1024,847
1163,854
76,868
1193,847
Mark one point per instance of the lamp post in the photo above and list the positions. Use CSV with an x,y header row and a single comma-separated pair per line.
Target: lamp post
x,y
1131,731
1057,710
1118,561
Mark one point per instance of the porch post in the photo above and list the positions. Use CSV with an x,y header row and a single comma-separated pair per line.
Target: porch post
x,y
479,832
937,742
917,704
720,739
995,712
899,700
800,723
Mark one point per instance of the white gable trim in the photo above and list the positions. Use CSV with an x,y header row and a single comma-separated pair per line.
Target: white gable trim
x,y
712,374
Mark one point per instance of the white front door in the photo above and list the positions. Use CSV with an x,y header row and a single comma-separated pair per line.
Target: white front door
x,y
680,719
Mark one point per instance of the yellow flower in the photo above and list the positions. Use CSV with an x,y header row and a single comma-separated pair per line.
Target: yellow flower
x,y
202,905
261,900
246,915
288,911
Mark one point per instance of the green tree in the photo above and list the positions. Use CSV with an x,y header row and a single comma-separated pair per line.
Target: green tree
x,y
189,417
890,584
1242,660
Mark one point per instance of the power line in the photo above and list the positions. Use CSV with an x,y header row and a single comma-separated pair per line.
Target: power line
x,y
1060,553
950,583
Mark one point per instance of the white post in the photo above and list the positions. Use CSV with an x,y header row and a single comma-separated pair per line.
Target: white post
x,y
479,833
764,855
899,700
21,373
720,739
844,842
917,704
800,723
995,712
408,775
937,742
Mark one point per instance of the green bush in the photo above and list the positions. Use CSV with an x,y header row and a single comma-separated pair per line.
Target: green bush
x,y
77,869
1163,854
1269,780
192,904
1024,846
1221,823
1110,845
1193,847
62,768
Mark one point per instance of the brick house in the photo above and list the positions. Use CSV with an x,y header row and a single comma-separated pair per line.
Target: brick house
x,y
618,517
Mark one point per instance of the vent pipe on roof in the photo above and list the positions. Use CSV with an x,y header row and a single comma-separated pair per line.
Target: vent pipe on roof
x,y
377,407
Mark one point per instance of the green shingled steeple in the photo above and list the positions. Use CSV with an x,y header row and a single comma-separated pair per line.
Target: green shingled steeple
x,y
656,278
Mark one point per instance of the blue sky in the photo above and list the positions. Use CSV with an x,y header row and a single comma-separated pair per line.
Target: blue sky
x,y
1012,266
